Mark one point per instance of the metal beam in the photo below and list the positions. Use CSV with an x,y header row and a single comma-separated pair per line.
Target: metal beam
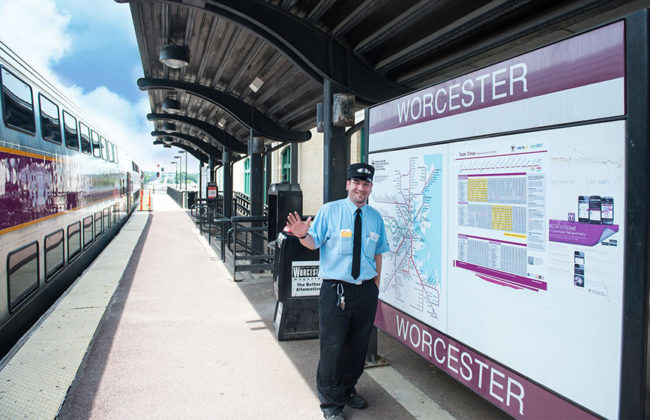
x,y
319,10
513,36
215,133
354,17
201,157
403,20
209,149
335,153
247,115
318,54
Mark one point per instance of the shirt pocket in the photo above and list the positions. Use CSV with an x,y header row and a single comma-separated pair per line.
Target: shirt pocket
x,y
371,245
346,243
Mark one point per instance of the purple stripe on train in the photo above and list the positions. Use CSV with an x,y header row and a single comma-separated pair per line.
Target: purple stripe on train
x,y
32,188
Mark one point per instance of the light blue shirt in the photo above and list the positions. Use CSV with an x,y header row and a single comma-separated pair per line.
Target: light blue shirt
x,y
333,232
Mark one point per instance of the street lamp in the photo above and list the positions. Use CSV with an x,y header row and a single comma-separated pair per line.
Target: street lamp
x,y
177,181
185,153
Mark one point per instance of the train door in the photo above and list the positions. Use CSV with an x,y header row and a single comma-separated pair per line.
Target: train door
x,y
129,197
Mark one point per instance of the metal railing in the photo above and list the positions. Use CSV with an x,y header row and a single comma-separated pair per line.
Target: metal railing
x,y
244,236
185,199
242,204
247,241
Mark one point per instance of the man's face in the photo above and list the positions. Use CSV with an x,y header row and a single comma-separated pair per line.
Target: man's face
x,y
358,191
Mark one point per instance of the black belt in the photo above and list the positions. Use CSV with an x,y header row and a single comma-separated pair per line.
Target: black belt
x,y
347,282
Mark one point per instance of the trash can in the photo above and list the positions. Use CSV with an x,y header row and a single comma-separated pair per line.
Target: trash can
x,y
296,284
283,198
191,199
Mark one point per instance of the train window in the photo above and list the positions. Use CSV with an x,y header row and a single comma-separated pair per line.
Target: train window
x,y
88,231
98,224
104,150
97,148
107,218
84,135
74,240
50,122
53,253
70,132
111,151
17,103
22,274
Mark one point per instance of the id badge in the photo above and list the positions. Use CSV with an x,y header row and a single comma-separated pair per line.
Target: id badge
x,y
346,244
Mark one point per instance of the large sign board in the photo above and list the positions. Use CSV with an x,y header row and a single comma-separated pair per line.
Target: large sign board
x,y
503,196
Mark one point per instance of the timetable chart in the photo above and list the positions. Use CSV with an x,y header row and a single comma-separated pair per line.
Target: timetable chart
x,y
501,213
493,201
508,257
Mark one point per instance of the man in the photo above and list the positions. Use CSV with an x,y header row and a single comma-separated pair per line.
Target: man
x,y
351,238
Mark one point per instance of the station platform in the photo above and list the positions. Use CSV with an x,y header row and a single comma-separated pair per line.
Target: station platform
x,y
156,328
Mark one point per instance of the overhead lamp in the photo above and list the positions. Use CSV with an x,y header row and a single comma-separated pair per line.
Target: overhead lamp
x,y
222,122
343,110
172,106
167,140
175,56
256,84
167,146
169,127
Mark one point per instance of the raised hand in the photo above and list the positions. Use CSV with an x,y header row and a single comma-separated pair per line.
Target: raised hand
x,y
298,227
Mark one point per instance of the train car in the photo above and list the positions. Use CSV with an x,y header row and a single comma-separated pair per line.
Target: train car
x,y
65,191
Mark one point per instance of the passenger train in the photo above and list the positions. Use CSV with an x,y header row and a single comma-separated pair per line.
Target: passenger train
x,y
65,190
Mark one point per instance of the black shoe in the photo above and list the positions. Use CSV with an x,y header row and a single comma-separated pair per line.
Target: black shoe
x,y
355,400
334,415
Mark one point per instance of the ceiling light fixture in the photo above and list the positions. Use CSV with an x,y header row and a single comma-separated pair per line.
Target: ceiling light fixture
x,y
173,106
175,56
222,122
168,127
256,84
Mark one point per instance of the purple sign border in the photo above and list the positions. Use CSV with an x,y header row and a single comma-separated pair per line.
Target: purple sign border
x,y
593,57
511,392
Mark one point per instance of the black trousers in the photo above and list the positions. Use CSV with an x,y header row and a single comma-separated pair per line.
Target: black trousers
x,y
344,336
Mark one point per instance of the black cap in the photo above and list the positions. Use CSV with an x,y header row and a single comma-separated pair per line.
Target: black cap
x,y
361,171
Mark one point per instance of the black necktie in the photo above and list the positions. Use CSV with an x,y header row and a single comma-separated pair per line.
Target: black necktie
x,y
356,250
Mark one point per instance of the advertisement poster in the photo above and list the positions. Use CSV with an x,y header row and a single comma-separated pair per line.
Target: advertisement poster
x,y
304,278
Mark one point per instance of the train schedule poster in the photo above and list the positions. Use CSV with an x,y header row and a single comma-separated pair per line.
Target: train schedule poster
x,y
511,244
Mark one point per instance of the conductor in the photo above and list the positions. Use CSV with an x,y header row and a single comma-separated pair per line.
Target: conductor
x,y
351,238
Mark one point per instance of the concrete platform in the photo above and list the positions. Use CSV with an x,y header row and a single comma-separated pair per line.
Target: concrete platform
x,y
180,339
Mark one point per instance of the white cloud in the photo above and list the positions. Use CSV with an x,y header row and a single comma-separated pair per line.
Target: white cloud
x,y
35,30
38,31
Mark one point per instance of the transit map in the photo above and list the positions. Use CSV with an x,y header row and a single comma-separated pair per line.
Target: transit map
x,y
408,192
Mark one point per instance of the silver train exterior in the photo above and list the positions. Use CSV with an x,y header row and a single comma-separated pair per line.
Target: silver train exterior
x,y
65,190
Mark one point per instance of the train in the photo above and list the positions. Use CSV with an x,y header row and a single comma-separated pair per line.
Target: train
x,y
65,191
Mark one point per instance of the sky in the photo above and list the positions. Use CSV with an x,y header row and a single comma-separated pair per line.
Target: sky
x,y
89,51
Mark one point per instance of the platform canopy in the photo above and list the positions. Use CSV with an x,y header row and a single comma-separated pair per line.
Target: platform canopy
x,y
257,68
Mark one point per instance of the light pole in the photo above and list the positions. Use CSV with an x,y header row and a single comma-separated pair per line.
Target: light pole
x,y
183,152
177,181
174,162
